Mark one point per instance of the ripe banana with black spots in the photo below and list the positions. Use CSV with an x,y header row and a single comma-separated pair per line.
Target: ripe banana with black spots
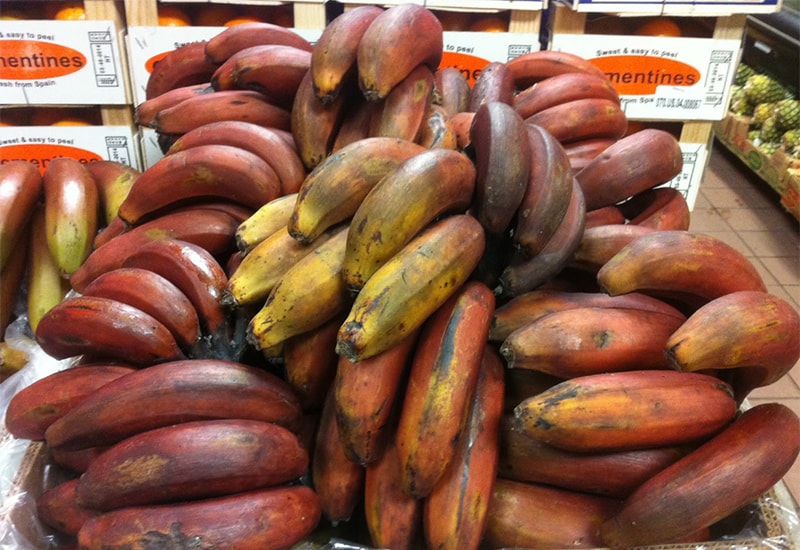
x,y
394,44
333,60
20,189
308,294
502,152
265,221
71,212
441,386
335,188
105,329
208,171
688,266
171,393
221,46
403,203
750,338
406,290
628,410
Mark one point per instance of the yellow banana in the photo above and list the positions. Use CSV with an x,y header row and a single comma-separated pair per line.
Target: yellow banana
x,y
265,221
46,286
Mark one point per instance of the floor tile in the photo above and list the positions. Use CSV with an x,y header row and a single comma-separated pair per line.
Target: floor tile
x,y
786,270
705,219
768,243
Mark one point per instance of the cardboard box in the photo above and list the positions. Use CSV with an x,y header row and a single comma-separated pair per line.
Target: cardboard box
x,y
676,7
662,78
61,63
40,144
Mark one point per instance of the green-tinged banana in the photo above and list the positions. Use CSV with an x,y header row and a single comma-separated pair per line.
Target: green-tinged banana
x,y
628,410
174,392
547,195
366,395
582,119
394,519
561,88
264,222
337,480
456,512
334,57
314,124
532,515
532,67
259,271
20,190
309,363
452,90
441,386
634,163
401,205
503,164
71,211
246,105
600,243
263,519
153,294
309,293
494,83
394,44
207,171
659,208
192,460
274,70
688,265
105,329
523,274
402,111
33,408
411,286
530,306
207,228
194,271
145,112
46,287
755,334
591,340
184,66
114,180
732,469
12,280
59,509
221,46
335,188
268,143
612,474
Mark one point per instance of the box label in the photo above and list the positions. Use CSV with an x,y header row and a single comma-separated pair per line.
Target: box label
x,y
470,52
662,78
41,144
60,62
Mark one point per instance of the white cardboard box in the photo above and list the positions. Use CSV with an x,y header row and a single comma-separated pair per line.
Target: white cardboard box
x,y
40,144
662,78
61,63
677,7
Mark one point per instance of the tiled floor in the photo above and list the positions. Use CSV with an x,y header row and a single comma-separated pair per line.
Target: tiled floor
x,y
738,207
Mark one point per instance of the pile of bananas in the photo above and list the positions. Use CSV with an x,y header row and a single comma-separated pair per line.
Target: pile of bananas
x,y
358,293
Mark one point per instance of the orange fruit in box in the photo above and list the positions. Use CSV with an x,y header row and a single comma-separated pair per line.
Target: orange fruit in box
x,y
59,116
659,26
606,24
172,16
215,15
454,20
65,11
489,23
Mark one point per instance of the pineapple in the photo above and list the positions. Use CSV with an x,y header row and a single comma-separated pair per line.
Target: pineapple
x,y
739,103
743,72
787,114
791,139
762,112
770,132
761,88
769,148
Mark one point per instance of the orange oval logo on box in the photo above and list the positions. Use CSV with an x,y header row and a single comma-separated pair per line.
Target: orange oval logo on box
x,y
36,60
470,65
41,154
641,75
150,63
